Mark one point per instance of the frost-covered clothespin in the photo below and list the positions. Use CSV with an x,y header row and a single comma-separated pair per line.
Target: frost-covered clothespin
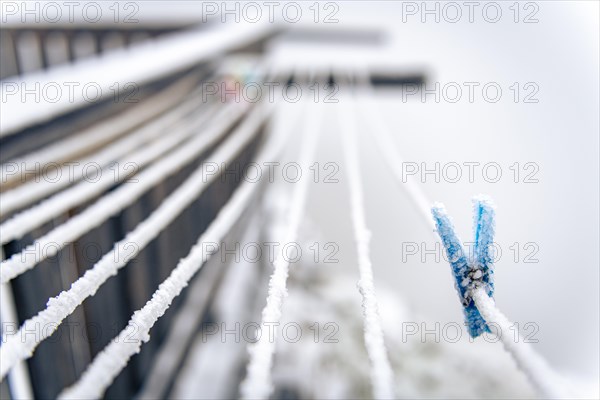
x,y
474,282
470,271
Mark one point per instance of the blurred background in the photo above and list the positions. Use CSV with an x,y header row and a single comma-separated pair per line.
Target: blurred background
x,y
500,98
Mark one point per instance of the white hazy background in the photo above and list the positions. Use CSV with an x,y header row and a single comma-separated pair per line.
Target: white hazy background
x,y
560,134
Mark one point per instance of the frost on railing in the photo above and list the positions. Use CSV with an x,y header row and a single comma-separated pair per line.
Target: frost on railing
x,y
15,349
119,137
163,57
109,363
49,244
67,151
26,221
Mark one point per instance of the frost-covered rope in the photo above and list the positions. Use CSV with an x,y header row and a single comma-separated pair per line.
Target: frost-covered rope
x,y
37,189
257,384
184,325
21,345
99,134
49,244
110,362
546,381
24,222
381,370
18,379
388,149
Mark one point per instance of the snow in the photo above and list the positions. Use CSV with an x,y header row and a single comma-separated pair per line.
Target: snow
x,y
423,369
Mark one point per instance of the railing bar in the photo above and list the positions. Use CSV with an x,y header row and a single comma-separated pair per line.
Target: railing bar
x,y
138,64
118,151
101,133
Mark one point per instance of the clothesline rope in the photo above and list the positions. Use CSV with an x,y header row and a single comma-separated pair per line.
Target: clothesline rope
x,y
539,373
18,378
21,346
108,364
381,371
103,132
257,384
43,186
50,243
543,378
388,149
25,221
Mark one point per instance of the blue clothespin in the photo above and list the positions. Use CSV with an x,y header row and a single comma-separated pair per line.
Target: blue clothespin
x,y
470,271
